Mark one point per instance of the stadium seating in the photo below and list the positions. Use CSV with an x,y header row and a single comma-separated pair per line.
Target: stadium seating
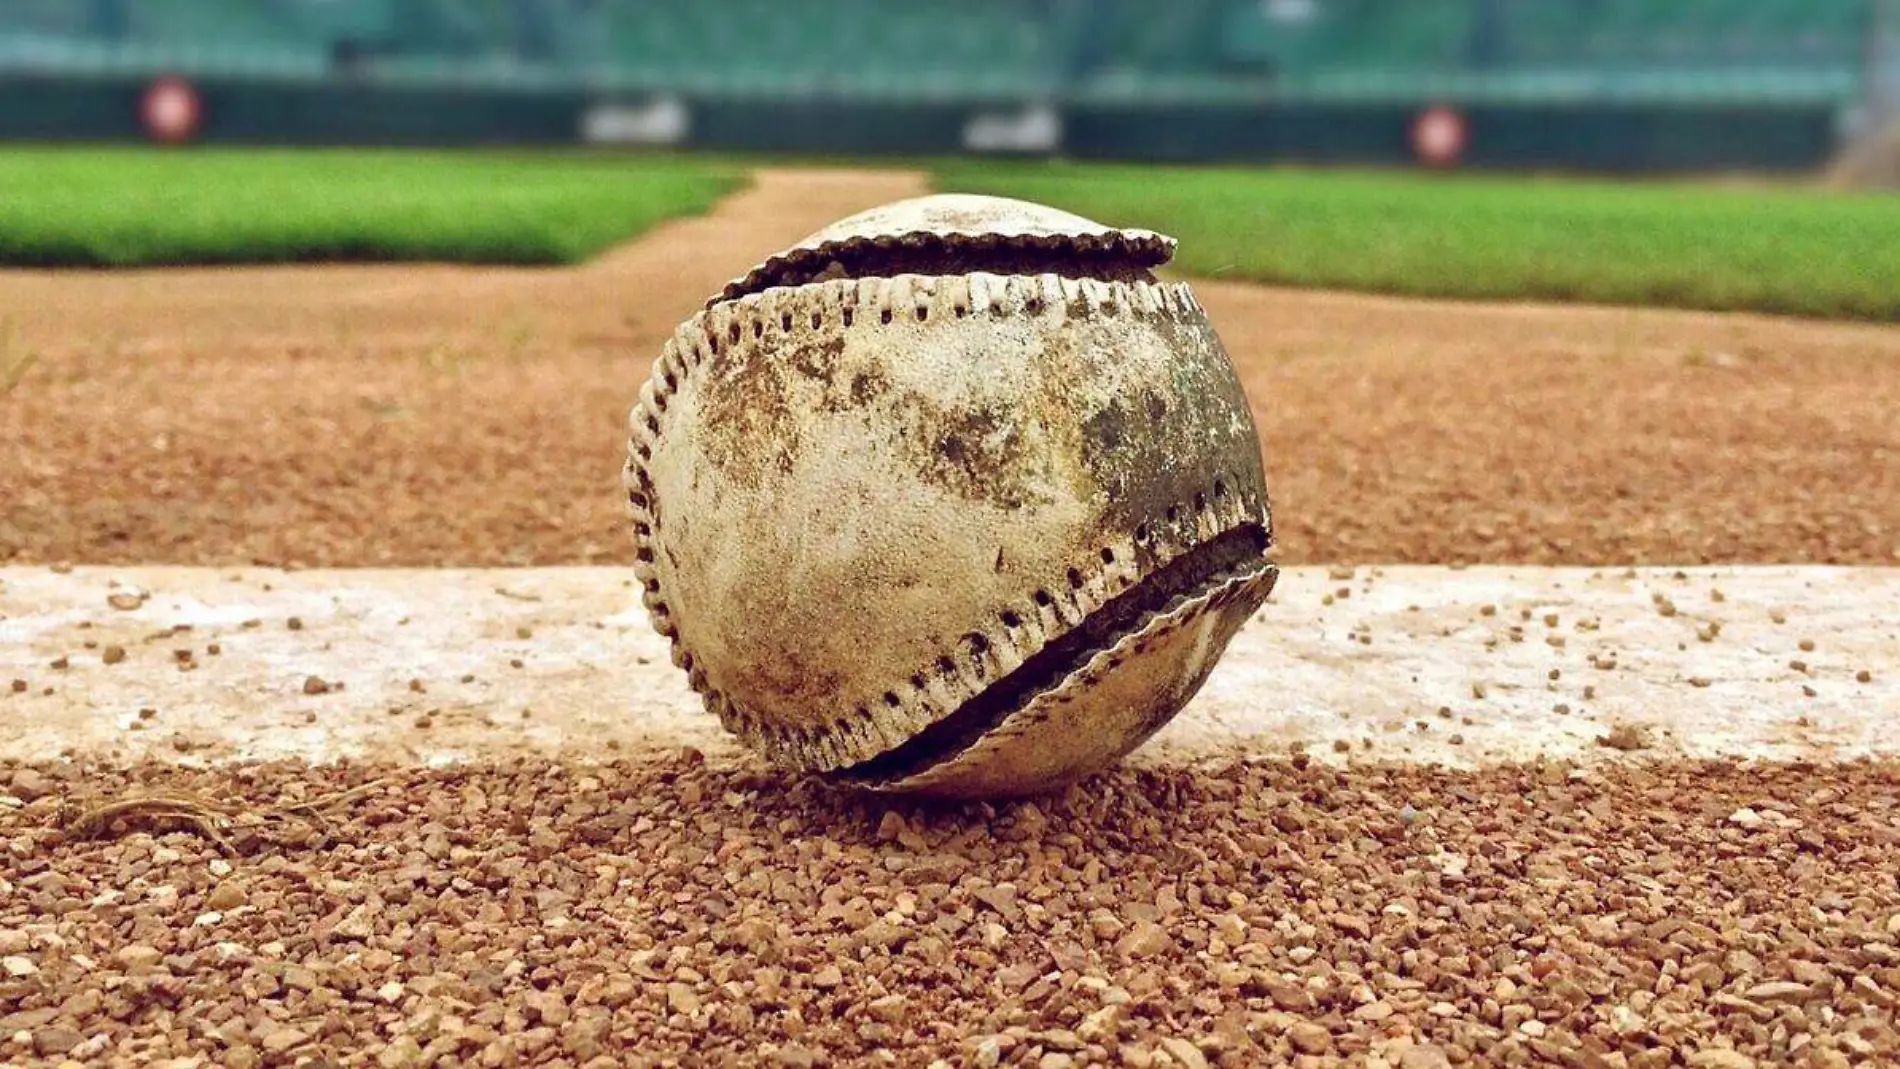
x,y
768,44
976,48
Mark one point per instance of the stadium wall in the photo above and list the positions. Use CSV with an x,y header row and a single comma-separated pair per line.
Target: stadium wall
x,y
1612,137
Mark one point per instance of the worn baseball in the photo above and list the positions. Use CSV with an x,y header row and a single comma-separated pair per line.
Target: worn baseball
x,y
953,497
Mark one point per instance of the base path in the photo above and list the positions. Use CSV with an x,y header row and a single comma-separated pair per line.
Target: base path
x,y
1453,666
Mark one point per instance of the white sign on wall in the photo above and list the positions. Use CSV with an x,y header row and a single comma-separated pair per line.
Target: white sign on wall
x,y
661,121
1035,130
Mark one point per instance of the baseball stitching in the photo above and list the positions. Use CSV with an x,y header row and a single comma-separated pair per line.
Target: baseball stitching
x,y
803,265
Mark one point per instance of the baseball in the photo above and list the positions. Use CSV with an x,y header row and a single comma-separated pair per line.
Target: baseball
x,y
953,497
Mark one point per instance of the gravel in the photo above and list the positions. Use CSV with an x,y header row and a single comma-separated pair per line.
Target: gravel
x,y
672,907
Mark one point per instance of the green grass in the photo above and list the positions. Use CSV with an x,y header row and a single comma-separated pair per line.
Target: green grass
x,y
92,207
1772,250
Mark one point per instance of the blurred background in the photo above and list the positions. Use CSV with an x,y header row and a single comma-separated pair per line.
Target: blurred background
x,y
1593,85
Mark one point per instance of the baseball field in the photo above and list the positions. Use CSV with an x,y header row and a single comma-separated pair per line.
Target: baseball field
x,y
331,731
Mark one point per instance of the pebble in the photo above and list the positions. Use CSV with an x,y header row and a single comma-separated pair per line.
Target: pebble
x,y
890,827
1309,1038
29,785
1184,1053
1720,1058
282,1040
57,1039
1780,991
403,1052
1258,913
1424,1056
1144,939
681,999
139,956
225,896
1373,1011
1626,737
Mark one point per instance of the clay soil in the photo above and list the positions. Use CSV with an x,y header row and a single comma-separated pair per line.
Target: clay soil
x,y
445,416
663,910
667,909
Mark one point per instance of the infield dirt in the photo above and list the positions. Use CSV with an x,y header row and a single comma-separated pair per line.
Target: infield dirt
x,y
450,416
665,910
1635,911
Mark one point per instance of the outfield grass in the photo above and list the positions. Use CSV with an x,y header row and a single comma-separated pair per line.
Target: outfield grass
x,y
90,207
1787,251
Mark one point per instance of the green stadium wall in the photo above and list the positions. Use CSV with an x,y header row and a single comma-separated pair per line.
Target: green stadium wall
x,y
1620,137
